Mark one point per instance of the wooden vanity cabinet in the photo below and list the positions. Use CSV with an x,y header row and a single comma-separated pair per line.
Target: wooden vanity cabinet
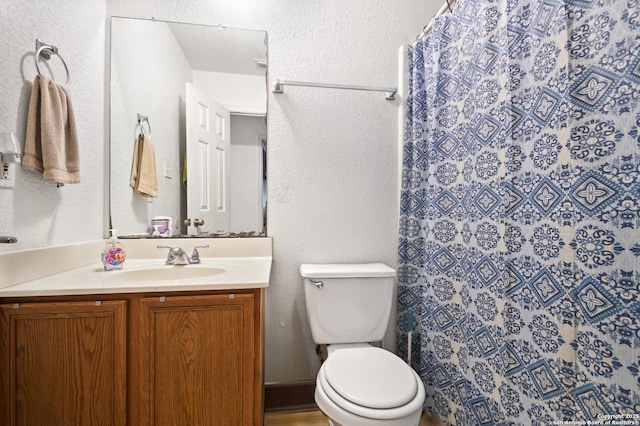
x,y
190,358
195,360
63,363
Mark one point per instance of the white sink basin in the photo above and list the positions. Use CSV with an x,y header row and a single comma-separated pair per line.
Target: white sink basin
x,y
166,273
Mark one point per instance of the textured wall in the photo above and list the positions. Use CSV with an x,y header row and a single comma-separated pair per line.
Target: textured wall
x,y
38,213
332,162
332,156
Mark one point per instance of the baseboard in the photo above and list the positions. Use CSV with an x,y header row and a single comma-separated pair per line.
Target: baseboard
x,y
289,396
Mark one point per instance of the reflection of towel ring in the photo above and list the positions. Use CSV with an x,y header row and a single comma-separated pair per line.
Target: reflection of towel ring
x,y
138,133
141,120
45,50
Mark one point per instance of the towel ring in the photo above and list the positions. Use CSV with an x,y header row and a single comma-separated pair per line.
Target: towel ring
x,y
141,120
136,132
45,50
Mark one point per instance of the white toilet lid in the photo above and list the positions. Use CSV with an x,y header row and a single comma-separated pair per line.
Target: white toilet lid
x,y
371,377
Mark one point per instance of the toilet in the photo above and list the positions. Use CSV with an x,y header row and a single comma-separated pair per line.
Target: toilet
x,y
348,307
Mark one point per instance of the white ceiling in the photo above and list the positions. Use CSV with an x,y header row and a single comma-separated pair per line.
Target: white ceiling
x,y
228,50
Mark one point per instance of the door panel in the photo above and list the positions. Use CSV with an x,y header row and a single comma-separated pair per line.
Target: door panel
x,y
208,142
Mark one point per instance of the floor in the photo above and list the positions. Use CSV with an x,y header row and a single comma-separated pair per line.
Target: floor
x,y
316,418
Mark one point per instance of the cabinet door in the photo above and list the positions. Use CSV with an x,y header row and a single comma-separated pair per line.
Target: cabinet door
x,y
197,360
63,364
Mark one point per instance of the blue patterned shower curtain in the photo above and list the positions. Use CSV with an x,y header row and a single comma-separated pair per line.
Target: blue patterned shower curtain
x,y
520,212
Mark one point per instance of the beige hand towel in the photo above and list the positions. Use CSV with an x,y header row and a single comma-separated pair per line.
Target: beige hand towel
x,y
51,142
135,163
144,180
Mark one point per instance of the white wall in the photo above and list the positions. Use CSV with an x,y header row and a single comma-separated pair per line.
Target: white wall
x,y
153,85
332,161
240,93
245,191
38,213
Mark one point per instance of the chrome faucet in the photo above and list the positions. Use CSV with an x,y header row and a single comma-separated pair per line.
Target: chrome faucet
x,y
177,256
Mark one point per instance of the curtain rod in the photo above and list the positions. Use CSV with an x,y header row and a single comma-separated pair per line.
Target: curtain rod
x,y
391,91
445,7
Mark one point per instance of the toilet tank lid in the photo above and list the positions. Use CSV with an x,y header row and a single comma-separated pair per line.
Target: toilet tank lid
x,y
347,270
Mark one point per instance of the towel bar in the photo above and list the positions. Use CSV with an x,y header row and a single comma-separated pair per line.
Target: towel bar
x,y
390,96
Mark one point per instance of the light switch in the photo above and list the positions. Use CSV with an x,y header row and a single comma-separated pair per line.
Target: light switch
x,y
168,171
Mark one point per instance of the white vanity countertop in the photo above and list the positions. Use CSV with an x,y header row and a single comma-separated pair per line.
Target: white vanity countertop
x,y
239,273
227,264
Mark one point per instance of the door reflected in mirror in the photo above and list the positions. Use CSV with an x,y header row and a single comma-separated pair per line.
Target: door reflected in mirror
x,y
203,91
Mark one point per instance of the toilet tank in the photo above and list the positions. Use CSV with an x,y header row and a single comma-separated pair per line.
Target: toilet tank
x,y
348,303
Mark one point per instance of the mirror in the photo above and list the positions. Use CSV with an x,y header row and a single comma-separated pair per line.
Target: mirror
x,y
198,95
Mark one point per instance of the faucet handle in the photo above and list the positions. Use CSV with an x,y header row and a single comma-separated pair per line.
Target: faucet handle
x,y
173,254
171,249
195,256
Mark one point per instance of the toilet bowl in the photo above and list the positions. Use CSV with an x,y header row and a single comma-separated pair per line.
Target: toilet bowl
x,y
367,386
348,306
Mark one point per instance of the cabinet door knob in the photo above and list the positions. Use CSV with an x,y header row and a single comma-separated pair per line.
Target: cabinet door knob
x,y
187,222
198,222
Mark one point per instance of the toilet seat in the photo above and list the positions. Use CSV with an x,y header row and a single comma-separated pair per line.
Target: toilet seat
x,y
383,402
370,377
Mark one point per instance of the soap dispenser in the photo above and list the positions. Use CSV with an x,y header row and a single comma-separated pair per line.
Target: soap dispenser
x,y
113,255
